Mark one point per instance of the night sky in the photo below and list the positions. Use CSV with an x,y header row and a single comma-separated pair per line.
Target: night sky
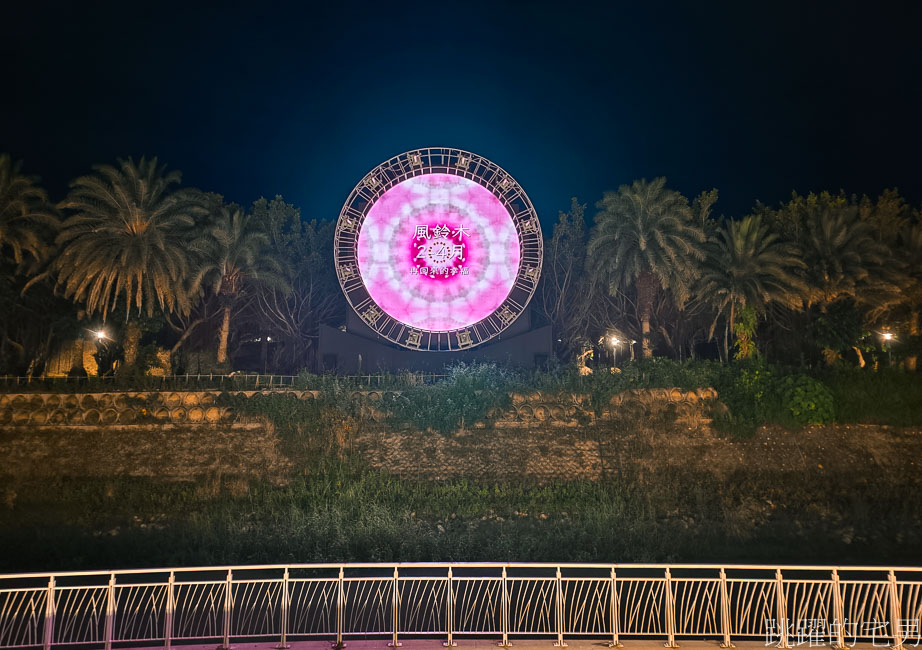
x,y
257,98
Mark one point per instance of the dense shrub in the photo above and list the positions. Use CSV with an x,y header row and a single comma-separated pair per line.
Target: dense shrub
x,y
808,400
466,396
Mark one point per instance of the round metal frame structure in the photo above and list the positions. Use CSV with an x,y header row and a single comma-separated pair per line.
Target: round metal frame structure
x,y
438,160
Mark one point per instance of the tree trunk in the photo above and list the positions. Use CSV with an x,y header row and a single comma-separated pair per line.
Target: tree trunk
x,y
131,342
912,360
225,334
646,347
861,362
646,293
77,368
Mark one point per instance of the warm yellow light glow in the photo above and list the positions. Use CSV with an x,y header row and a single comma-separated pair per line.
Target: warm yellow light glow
x,y
888,336
615,340
100,335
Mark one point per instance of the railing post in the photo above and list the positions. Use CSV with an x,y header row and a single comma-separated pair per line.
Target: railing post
x,y
560,643
340,606
228,609
504,614
895,612
725,610
283,643
450,610
168,617
48,638
110,611
670,612
781,610
615,612
838,610
395,604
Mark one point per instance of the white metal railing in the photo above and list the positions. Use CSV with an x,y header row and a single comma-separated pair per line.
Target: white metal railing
x,y
237,380
786,606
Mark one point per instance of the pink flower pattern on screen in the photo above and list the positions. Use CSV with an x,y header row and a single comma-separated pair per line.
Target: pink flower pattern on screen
x,y
457,274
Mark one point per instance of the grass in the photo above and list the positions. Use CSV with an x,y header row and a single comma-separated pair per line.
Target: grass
x,y
890,397
336,509
340,511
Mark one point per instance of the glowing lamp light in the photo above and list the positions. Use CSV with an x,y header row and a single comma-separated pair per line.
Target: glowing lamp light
x,y
615,340
888,336
100,335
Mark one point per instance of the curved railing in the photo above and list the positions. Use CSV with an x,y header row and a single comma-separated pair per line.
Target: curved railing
x,y
785,605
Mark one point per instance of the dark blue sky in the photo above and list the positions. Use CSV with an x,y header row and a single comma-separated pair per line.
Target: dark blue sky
x,y
259,98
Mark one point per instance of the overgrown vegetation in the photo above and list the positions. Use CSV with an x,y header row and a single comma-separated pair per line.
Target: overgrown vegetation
x,y
333,507
467,395
751,393
339,511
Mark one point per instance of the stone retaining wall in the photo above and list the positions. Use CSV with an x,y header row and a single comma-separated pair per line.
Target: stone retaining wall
x,y
200,407
164,451
540,454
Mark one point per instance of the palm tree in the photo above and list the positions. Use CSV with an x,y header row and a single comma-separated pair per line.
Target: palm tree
x,y
126,241
25,215
908,251
645,236
749,267
234,257
846,259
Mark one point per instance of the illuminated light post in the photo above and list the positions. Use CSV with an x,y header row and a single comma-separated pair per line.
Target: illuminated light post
x,y
888,340
615,341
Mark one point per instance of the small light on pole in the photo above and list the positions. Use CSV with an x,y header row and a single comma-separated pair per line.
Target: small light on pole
x,y
100,334
615,341
888,339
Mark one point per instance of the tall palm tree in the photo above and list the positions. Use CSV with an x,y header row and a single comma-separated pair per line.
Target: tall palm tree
x,y
848,264
645,235
846,259
234,257
125,241
25,215
909,251
748,266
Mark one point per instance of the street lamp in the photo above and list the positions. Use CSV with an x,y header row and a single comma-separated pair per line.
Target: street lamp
x,y
615,341
888,340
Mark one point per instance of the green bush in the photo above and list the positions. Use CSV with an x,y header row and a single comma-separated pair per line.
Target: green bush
x,y
467,396
809,401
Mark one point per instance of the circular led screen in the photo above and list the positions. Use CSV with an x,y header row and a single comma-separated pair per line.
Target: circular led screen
x,y
438,249
438,252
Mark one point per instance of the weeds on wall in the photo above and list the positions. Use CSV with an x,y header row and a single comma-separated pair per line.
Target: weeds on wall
x,y
469,394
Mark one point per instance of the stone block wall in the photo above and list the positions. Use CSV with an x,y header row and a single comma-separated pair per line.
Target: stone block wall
x,y
200,407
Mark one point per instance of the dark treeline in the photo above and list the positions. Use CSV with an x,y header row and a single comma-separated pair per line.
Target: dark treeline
x,y
174,275
155,266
